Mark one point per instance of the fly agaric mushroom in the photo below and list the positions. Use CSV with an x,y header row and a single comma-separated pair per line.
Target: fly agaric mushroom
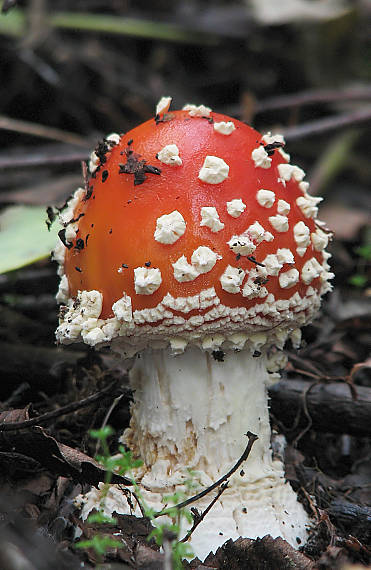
x,y
195,246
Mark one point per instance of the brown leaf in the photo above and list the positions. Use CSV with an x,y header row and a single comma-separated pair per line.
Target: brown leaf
x,y
132,532
261,554
54,456
146,557
333,557
15,416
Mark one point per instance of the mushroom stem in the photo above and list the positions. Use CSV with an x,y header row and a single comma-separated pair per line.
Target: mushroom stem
x,y
191,412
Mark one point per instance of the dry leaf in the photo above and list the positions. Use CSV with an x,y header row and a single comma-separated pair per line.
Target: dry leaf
x,y
59,459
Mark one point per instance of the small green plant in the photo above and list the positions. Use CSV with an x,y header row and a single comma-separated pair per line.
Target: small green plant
x,y
360,278
165,534
101,544
162,532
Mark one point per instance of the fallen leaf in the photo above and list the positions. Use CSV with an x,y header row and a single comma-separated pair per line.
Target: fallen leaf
x,y
266,552
54,456
24,237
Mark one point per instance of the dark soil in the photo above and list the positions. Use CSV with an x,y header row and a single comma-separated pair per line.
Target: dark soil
x,y
87,83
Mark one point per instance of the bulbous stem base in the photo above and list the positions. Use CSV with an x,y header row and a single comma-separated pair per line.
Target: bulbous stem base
x,y
189,419
191,412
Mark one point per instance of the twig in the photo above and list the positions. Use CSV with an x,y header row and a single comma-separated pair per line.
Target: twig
x,y
311,504
304,398
328,124
323,378
42,160
296,100
330,404
313,371
200,518
252,438
314,97
141,508
292,133
43,131
107,416
60,412
128,494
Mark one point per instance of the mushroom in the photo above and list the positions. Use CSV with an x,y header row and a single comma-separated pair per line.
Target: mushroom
x,y
194,248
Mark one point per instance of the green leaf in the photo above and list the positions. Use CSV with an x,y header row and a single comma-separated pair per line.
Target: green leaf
x,y
158,534
149,512
358,280
176,498
101,518
99,543
102,433
126,461
187,515
172,512
24,237
181,550
364,251
14,24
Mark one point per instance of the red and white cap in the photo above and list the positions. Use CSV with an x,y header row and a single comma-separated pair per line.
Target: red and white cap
x,y
192,228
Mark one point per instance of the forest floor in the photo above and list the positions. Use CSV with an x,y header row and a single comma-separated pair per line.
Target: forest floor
x,y
323,403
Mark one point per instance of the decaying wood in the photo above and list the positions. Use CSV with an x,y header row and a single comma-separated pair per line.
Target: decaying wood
x,y
43,365
330,406
351,515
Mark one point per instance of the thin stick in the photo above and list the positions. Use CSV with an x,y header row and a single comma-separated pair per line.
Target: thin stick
x,y
199,519
43,131
292,133
328,124
314,97
252,438
41,160
107,416
60,412
304,397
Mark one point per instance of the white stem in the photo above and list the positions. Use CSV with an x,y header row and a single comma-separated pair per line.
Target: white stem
x,y
191,412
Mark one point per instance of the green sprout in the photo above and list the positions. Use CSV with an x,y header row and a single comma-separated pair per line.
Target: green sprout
x,y
360,279
100,545
165,533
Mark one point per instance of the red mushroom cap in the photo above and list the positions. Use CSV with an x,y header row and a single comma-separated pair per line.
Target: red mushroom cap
x,y
194,225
